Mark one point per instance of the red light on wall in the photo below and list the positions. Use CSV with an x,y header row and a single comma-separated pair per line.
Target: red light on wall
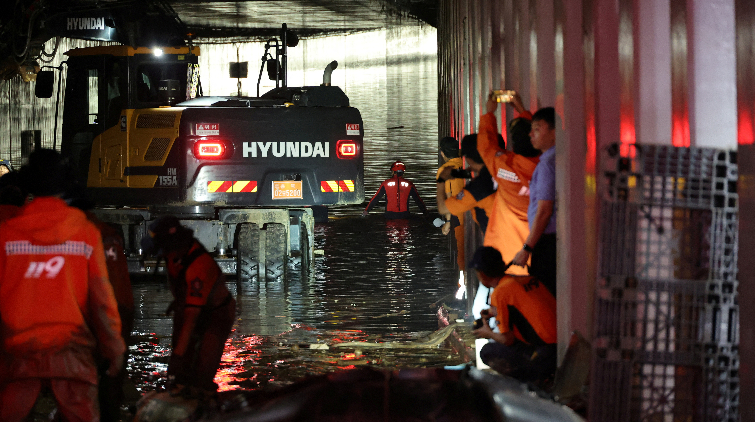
x,y
346,149
209,149
745,129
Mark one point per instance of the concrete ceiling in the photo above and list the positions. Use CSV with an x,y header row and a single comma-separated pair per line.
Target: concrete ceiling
x,y
255,18
25,25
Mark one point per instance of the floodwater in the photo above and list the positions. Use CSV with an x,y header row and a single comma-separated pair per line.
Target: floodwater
x,y
375,280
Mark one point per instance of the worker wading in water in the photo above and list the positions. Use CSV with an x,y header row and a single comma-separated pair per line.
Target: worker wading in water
x,y
203,308
397,192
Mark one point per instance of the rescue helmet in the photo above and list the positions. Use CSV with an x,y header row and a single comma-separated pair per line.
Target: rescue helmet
x,y
398,166
6,164
166,234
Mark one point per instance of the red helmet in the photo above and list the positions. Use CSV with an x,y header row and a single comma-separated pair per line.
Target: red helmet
x,y
398,166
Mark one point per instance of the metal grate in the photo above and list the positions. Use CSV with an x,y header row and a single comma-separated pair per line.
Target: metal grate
x,y
157,149
155,121
699,178
667,317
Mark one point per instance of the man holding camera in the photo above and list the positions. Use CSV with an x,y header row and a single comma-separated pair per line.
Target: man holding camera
x,y
512,171
525,310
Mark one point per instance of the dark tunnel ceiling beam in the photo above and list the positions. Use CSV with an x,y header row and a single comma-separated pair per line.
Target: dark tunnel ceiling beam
x,y
262,34
255,18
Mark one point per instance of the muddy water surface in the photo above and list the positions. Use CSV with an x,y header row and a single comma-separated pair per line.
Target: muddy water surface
x,y
375,280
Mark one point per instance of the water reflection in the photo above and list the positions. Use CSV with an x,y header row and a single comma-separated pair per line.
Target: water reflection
x,y
377,280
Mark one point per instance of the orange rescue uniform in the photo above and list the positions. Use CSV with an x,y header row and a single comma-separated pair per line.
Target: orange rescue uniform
x,y
507,225
525,307
478,195
57,309
198,285
8,211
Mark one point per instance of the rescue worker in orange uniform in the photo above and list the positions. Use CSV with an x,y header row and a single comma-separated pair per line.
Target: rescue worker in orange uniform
x,y
397,192
478,194
204,308
57,305
525,310
508,226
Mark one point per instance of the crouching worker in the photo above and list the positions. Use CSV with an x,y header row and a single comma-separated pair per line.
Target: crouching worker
x,y
203,307
525,310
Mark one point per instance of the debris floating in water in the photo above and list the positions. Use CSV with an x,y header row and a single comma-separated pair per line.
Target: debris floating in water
x,y
319,346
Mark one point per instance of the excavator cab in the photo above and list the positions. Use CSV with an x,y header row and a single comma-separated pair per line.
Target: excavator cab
x,y
103,87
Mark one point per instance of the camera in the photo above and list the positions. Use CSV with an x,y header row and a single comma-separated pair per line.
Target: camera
x,y
461,174
478,323
504,96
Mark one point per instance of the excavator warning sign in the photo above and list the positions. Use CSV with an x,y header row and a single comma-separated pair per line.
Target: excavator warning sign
x,y
352,129
208,129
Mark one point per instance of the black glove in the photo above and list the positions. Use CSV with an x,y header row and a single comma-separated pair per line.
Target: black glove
x,y
461,174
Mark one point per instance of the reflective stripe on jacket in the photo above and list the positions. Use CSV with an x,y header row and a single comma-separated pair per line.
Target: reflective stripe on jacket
x,y
507,225
397,192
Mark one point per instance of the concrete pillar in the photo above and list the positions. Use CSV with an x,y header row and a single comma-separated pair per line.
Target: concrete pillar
x,y
575,279
626,45
678,18
712,64
546,64
528,49
745,74
496,47
653,46
607,75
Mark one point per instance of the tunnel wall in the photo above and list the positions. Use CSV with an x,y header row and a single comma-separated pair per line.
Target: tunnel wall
x,y
22,114
619,73
522,45
745,31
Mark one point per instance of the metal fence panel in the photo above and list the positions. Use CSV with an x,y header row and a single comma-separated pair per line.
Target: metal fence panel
x,y
667,317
